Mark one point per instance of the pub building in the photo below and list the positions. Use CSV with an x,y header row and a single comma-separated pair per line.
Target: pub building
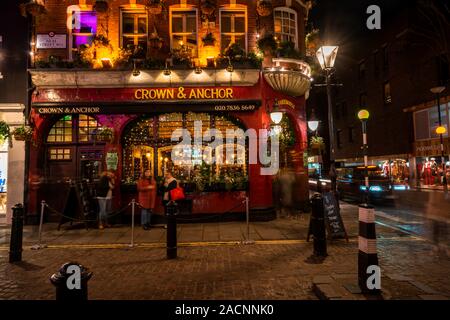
x,y
150,67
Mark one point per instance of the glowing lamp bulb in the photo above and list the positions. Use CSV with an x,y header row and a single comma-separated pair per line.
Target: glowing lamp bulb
x,y
363,115
441,130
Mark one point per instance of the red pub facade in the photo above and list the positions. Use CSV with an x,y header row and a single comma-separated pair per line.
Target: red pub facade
x,y
110,115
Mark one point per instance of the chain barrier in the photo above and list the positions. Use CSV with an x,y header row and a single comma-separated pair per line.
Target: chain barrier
x,y
109,214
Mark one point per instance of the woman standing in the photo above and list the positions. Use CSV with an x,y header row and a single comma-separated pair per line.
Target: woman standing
x,y
147,196
170,183
104,196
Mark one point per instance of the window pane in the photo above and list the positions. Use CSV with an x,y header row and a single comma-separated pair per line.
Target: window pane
x,y
226,40
142,25
226,23
277,25
177,24
128,23
239,24
421,125
191,24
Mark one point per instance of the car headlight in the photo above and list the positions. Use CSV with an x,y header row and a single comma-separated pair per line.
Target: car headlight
x,y
362,188
376,189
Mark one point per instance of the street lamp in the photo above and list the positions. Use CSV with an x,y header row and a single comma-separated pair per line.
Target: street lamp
x,y
367,240
441,131
276,115
327,57
313,123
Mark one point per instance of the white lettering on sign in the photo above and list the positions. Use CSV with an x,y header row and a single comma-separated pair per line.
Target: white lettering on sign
x,y
51,41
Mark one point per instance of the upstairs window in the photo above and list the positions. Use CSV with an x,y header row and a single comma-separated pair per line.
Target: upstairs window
x,y
233,28
285,23
134,30
87,128
82,30
183,32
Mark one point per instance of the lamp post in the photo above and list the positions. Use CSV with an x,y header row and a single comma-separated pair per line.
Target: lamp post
x,y
441,131
327,56
367,239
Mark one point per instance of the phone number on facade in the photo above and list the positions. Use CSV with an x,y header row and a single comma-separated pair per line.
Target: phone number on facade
x,y
249,107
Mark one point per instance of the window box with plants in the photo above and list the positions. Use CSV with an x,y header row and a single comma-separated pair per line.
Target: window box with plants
x,y
23,133
33,7
267,45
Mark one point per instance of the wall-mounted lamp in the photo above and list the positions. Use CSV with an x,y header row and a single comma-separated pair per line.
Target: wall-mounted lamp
x,y
136,71
276,115
198,70
167,71
313,123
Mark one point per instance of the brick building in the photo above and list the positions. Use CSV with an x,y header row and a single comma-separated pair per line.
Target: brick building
x,y
390,73
134,71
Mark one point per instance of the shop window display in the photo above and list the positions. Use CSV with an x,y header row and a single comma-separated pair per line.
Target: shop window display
x,y
148,145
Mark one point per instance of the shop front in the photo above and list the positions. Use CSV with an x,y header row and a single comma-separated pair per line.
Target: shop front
x,y
144,125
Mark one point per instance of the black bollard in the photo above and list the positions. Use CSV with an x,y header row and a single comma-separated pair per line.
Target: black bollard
x,y
171,212
15,245
71,282
318,226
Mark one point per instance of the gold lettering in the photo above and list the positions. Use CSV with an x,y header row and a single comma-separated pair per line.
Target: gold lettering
x,y
201,93
151,95
171,94
136,94
229,93
192,95
207,93
145,94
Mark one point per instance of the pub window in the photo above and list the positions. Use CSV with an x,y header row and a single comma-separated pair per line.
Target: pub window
x,y
87,128
134,30
285,23
387,93
233,28
183,32
60,154
82,30
61,130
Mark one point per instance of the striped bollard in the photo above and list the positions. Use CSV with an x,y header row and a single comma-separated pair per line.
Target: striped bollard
x,y
367,255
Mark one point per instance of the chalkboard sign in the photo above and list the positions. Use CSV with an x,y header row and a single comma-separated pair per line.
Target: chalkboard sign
x,y
333,219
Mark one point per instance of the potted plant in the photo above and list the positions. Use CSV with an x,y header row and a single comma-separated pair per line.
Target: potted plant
x,y
209,39
101,6
155,7
4,131
264,8
23,133
268,46
105,134
33,7
208,7
312,42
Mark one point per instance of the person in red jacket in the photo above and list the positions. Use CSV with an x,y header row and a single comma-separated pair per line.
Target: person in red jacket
x,y
147,197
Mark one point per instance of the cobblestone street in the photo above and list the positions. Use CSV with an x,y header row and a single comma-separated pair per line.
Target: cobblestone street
x,y
277,269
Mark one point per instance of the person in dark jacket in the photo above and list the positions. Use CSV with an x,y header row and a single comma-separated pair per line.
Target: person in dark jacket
x,y
170,183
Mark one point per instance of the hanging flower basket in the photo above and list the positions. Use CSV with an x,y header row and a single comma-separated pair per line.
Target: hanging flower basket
x,y
156,43
155,7
33,8
4,131
105,134
264,8
23,133
101,6
209,40
208,7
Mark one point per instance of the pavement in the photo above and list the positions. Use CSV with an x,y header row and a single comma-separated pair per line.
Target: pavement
x,y
214,263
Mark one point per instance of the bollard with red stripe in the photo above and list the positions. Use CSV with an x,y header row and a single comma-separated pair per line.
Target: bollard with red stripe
x,y
367,245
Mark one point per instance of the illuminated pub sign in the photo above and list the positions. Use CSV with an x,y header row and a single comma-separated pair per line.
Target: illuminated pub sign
x,y
140,100
182,93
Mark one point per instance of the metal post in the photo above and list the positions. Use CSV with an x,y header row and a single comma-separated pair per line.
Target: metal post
x,y
171,211
247,215
318,226
15,245
71,282
41,222
444,178
333,174
133,205
367,240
